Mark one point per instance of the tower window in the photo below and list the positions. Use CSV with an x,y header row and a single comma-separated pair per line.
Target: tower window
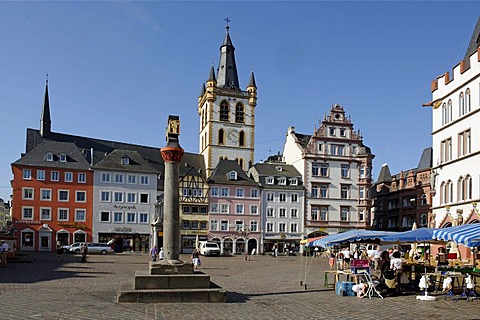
x,y
220,136
241,139
224,111
239,114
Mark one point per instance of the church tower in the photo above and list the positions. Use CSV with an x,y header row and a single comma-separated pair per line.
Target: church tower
x,y
227,113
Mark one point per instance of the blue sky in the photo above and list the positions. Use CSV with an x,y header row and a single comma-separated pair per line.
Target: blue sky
x,y
118,69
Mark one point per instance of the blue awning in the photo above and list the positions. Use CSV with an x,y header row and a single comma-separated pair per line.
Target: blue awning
x,y
349,236
467,234
424,235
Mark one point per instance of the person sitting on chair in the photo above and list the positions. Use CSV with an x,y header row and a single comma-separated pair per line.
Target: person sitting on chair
x,y
441,257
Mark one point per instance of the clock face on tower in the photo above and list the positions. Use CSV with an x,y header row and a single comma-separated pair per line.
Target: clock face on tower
x,y
232,135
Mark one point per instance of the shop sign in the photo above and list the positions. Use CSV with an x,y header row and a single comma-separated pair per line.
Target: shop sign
x,y
123,229
343,229
132,207
75,225
28,222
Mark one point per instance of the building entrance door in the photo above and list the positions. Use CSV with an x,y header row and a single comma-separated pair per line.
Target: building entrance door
x,y
45,242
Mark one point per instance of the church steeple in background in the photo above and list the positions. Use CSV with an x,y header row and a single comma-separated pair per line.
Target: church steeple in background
x,y
227,76
45,121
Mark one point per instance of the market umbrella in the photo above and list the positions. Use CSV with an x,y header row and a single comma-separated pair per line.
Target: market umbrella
x,y
349,236
422,235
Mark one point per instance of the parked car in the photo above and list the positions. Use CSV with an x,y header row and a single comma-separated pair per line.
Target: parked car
x,y
93,247
67,248
208,248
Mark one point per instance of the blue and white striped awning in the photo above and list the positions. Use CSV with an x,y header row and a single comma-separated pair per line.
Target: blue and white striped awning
x,y
349,236
467,234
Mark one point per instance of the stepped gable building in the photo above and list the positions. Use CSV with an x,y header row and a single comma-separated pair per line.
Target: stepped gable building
x,y
234,209
64,167
455,139
403,199
336,168
282,201
227,113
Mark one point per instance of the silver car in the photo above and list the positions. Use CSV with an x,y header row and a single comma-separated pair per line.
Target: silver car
x,y
93,247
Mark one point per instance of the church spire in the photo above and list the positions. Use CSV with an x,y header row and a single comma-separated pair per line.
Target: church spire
x,y
45,121
227,76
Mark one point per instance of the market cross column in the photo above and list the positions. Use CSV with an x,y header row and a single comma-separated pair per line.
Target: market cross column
x,y
172,153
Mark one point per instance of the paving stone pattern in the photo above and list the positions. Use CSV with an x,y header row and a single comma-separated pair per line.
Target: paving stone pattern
x,y
263,288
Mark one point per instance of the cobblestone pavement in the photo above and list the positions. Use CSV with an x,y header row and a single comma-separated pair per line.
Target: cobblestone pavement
x,y
263,288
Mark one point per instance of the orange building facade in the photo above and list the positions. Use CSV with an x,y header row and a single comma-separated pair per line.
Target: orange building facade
x,y
53,202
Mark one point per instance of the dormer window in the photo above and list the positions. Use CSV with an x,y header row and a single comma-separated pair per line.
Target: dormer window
x,y
125,160
49,156
278,168
270,180
232,175
293,182
63,157
282,181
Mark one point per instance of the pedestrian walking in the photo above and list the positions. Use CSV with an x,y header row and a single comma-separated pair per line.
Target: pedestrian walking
x,y
84,252
161,254
59,251
4,248
196,259
154,253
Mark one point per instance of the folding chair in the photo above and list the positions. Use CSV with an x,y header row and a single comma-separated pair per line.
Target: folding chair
x,y
371,285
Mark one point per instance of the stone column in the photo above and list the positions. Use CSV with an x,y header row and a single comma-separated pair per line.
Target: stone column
x,y
172,153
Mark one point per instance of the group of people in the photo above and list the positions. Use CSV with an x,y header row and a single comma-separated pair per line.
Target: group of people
x,y
156,254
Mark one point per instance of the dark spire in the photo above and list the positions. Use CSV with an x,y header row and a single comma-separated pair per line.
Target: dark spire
x,y
45,121
227,76
385,175
211,75
474,41
202,90
251,82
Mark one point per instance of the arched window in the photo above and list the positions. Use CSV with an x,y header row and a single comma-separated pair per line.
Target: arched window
x,y
224,111
239,113
460,190
449,111
241,139
240,163
468,101
442,193
423,220
423,199
449,197
461,104
221,135
468,187
444,114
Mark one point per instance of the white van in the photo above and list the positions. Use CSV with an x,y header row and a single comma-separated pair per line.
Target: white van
x,y
208,248
372,247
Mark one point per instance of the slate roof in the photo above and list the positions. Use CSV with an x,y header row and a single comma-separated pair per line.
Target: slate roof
x,y
265,170
36,156
384,175
474,42
223,168
102,148
425,160
302,139
136,163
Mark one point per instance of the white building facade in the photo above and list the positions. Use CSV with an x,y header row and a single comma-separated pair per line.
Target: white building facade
x,y
125,193
336,168
456,143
